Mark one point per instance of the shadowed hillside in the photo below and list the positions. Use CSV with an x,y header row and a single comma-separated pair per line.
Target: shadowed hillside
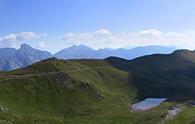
x,y
162,75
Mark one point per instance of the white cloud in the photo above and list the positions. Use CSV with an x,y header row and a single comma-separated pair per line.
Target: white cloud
x,y
151,32
103,31
14,40
41,45
105,38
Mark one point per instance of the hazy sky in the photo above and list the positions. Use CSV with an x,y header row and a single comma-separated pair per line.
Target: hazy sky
x,y
56,24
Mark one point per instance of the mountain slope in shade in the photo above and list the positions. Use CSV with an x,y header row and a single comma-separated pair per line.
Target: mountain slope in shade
x,y
163,75
83,52
11,59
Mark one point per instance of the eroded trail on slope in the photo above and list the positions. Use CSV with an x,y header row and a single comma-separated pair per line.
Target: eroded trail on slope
x,y
172,112
175,110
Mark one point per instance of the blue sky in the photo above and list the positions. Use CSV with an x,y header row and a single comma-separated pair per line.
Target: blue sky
x,y
56,24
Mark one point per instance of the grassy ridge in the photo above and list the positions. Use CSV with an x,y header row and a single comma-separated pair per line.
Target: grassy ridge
x,y
87,93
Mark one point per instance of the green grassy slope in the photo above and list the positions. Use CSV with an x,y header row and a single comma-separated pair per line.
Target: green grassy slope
x,y
79,91
95,91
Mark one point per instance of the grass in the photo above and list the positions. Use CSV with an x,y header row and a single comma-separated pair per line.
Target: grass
x,y
94,93
99,94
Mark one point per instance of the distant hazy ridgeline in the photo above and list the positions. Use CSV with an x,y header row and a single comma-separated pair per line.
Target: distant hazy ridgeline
x,y
11,58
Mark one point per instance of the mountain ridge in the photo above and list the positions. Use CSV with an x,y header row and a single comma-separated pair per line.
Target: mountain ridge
x,y
84,52
11,58
21,57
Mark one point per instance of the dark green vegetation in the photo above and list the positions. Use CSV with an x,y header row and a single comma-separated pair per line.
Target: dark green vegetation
x,y
96,91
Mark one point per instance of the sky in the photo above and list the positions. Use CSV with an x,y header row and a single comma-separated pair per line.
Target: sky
x,y
56,24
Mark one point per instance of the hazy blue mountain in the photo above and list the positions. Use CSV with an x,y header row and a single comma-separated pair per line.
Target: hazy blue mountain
x,y
76,52
84,52
4,52
11,58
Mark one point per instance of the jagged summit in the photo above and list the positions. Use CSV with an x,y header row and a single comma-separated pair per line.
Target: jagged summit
x,y
17,58
25,46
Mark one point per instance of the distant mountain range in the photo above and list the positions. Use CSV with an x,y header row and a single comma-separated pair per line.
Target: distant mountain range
x,y
11,58
84,52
